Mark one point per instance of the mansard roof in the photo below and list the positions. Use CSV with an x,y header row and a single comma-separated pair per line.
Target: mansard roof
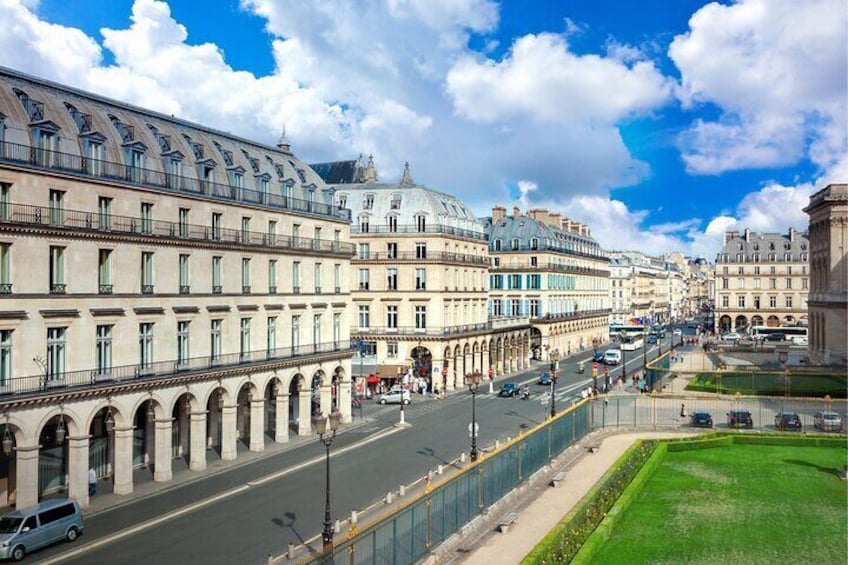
x,y
757,247
525,229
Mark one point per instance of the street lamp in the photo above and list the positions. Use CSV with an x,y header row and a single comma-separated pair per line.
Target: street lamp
x,y
473,382
554,355
327,439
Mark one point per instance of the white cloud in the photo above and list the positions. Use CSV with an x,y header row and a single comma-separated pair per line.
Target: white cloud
x,y
542,80
776,70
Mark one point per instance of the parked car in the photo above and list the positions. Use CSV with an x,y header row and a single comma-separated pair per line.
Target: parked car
x,y
800,340
731,336
396,396
740,419
545,379
787,421
27,529
777,336
827,421
702,420
509,389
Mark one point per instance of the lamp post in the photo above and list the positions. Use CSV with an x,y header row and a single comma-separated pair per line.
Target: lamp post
x,y
473,382
554,355
326,439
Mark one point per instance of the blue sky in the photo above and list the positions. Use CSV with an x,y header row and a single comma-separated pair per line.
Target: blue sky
x,y
659,123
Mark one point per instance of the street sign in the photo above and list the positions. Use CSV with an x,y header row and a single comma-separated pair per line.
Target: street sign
x,y
476,428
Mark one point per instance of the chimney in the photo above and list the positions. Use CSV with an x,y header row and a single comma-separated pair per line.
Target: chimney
x,y
584,230
516,212
498,213
563,224
554,219
538,214
747,234
729,235
792,234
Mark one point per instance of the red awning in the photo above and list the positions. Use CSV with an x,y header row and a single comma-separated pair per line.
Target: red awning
x,y
373,379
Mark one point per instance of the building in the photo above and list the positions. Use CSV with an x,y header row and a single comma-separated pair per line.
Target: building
x,y
701,287
828,211
167,292
644,288
420,289
550,271
761,280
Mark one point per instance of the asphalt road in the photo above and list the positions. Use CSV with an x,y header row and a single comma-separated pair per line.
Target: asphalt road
x,y
255,517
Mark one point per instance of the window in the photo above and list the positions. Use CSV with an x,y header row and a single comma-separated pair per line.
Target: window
x,y
215,339
740,283
420,279
534,243
757,283
271,334
514,281
772,301
136,165
421,222
534,261
396,200
216,225
244,341
147,272
392,349
364,316
420,317
337,278
756,270
316,331
788,283
183,222
391,279
515,243
272,276
145,345
5,357
295,335
725,301
368,204
182,343
104,271
245,229
392,222
498,244
497,308
317,276
296,277
496,282
272,232
364,251
56,212
391,250
804,283
245,275
773,284
57,270
741,270
55,353
788,301
725,284
104,213
420,250
342,200
5,189
514,307
364,225
216,275
183,274
391,317
363,279
740,301
295,235
534,308
146,217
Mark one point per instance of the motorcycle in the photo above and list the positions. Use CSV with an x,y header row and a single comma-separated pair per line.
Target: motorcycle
x,y
525,394
581,368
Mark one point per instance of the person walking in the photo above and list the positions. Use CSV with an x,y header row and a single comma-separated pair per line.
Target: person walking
x,y
92,481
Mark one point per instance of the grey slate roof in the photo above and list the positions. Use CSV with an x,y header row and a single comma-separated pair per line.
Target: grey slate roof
x,y
526,229
757,248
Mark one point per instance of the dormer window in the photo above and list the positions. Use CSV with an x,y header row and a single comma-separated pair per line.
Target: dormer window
x,y
515,244
771,246
368,203
364,224
126,131
421,222
34,108
342,200
534,243
498,244
396,200
392,222
299,172
196,148
83,121
163,140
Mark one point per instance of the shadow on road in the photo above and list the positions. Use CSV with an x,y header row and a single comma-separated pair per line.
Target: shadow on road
x,y
430,452
530,422
290,519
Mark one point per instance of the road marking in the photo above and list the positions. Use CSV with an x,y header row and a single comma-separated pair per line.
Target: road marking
x,y
111,538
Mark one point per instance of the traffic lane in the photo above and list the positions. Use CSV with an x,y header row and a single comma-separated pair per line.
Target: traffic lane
x,y
266,518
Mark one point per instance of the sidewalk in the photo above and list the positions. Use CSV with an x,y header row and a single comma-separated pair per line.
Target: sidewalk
x,y
553,503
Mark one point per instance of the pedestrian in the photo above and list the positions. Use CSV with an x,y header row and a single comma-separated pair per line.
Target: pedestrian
x,y
682,410
92,481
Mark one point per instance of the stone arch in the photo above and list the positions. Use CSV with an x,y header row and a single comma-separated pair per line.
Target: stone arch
x,y
55,457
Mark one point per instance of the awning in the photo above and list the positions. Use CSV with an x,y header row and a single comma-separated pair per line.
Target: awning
x,y
373,379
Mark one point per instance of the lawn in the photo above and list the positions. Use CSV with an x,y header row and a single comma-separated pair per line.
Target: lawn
x,y
774,384
737,504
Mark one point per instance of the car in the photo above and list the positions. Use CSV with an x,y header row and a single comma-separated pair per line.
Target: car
x,y
731,336
396,396
509,389
677,332
740,419
777,336
787,421
800,340
598,357
701,420
827,421
652,338
545,380
612,357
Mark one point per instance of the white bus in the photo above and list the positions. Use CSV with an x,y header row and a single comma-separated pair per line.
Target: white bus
x,y
619,330
793,333
631,342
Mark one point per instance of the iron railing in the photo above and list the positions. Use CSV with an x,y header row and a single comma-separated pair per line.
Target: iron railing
x,y
491,324
66,163
27,214
551,266
413,228
430,257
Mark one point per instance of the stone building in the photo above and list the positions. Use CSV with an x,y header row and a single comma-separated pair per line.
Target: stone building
x,y
761,280
420,284
167,292
644,288
550,271
828,211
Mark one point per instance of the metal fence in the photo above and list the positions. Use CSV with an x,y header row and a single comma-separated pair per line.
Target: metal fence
x,y
408,534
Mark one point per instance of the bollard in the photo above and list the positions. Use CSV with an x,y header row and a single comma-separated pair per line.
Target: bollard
x,y
462,457
354,516
497,444
440,470
337,527
402,491
290,552
389,497
270,560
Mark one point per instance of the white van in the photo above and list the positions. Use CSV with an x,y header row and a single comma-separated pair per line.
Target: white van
x,y
28,529
612,357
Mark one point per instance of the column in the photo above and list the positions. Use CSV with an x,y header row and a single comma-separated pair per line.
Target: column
x,y
326,396
344,400
257,419
78,469
197,447
281,426
304,413
162,451
123,473
228,432
26,478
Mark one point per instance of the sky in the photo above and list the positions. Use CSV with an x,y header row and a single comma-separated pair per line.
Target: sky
x,y
660,123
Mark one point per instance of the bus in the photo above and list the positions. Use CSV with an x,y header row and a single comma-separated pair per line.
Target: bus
x,y
616,331
792,333
632,342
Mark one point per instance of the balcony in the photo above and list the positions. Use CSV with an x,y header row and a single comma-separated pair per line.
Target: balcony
x,y
432,257
147,289
35,385
498,323
104,289
119,173
39,216
414,228
57,288
551,266
578,315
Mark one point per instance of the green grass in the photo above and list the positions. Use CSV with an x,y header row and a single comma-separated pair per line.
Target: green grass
x,y
737,504
771,384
